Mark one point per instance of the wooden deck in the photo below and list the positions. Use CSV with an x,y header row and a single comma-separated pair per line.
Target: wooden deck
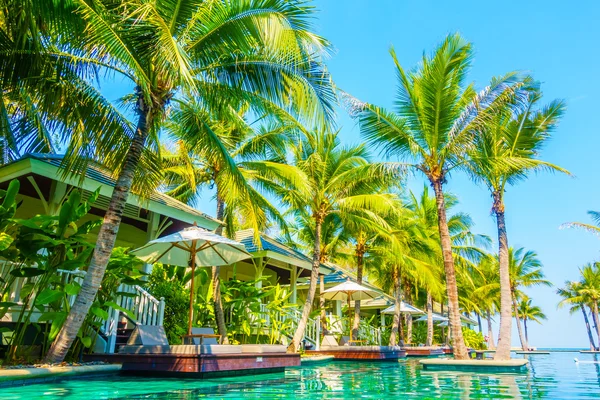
x,y
357,355
200,366
424,352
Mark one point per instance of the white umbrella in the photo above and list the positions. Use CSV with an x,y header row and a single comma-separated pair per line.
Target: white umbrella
x,y
404,308
192,246
434,317
349,291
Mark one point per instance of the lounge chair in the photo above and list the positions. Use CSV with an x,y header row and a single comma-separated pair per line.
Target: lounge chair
x,y
330,344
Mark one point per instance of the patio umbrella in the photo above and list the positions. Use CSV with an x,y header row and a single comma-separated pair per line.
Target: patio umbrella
x,y
192,247
349,291
405,308
434,317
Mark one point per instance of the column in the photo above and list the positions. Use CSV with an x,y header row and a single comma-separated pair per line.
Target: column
x,y
293,279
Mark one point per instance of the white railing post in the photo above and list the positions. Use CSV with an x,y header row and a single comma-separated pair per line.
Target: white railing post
x,y
161,311
318,338
114,326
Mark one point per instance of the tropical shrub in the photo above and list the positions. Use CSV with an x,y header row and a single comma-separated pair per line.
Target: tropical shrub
x,y
474,340
46,257
176,297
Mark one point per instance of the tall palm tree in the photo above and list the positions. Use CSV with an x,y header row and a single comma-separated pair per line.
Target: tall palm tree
x,y
199,163
218,51
589,290
529,312
327,179
525,271
572,297
436,116
506,151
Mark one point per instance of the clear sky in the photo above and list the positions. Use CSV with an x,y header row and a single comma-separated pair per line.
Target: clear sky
x,y
556,41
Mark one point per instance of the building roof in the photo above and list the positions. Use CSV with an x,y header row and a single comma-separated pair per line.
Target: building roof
x,y
49,165
269,244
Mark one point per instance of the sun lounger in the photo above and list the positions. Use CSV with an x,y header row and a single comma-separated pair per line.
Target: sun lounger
x,y
148,335
263,348
330,344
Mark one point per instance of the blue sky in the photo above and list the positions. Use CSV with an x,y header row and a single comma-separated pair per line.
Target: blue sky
x,y
557,42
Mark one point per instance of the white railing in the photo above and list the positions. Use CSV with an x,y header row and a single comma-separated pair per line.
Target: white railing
x,y
312,333
368,333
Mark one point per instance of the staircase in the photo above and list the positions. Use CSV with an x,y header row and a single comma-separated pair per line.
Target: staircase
x,y
312,334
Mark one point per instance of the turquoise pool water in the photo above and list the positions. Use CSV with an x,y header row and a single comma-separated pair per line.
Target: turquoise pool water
x,y
554,376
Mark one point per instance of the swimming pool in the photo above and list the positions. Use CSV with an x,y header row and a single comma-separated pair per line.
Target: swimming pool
x,y
554,376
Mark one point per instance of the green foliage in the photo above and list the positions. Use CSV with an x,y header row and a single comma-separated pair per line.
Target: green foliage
x,y
47,256
474,340
176,298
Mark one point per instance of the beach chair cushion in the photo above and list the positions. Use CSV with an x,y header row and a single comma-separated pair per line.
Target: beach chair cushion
x,y
148,335
329,341
263,348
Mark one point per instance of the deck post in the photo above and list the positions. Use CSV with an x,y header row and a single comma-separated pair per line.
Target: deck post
x,y
318,336
293,279
112,337
161,311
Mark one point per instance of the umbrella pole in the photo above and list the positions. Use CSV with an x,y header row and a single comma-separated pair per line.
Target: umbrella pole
x,y
193,264
349,316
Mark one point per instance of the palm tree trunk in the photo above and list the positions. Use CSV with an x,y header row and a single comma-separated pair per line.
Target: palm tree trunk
x,y
105,242
589,329
429,340
518,321
409,328
458,343
526,333
216,279
397,301
504,336
594,309
312,288
479,322
324,329
359,276
491,344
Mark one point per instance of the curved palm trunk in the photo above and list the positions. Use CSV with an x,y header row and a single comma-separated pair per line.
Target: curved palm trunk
x,y
105,243
526,333
458,343
312,288
397,302
589,329
490,332
359,275
324,328
409,328
429,340
216,280
504,336
524,345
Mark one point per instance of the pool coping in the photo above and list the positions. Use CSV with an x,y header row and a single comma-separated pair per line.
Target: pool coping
x,y
28,376
512,365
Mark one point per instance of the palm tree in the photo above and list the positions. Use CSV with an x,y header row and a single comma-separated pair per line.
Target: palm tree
x,y
527,311
220,52
525,272
327,179
571,296
198,163
436,116
589,290
506,150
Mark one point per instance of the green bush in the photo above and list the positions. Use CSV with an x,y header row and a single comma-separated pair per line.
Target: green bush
x,y
176,298
474,340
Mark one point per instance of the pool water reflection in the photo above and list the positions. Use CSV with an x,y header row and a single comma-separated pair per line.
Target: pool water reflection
x,y
554,376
